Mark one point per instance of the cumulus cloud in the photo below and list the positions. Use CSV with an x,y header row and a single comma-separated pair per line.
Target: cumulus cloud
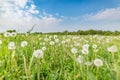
x,y
16,14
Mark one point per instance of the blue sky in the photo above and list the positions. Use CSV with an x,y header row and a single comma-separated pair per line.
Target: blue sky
x,y
59,15
73,8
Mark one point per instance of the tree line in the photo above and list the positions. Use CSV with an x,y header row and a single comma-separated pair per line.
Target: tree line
x,y
87,32
79,32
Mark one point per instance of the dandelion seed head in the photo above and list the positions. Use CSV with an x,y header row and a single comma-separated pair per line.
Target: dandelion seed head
x,y
98,62
38,53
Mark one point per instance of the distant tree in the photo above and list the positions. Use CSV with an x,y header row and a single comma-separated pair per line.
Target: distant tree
x,y
65,32
11,31
37,33
116,33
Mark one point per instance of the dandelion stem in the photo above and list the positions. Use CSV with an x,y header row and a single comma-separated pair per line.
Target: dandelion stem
x,y
30,65
25,66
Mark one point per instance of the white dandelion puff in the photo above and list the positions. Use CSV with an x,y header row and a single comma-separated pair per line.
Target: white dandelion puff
x,y
44,48
112,49
94,46
98,62
74,50
11,46
85,51
38,53
86,46
13,34
24,43
7,34
52,42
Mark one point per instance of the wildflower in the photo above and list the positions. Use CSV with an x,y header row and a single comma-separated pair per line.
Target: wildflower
x,y
86,46
85,51
7,34
44,48
94,46
38,53
52,42
98,62
112,49
13,34
74,50
11,46
24,43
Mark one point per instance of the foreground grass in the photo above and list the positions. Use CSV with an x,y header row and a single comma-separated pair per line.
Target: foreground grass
x,y
58,62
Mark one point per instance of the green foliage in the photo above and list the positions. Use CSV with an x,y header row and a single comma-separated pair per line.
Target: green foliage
x,y
11,31
87,32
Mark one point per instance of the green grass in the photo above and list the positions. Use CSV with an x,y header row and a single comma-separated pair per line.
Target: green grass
x,y
58,62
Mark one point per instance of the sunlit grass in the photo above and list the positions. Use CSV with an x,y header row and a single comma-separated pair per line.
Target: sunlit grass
x,y
62,59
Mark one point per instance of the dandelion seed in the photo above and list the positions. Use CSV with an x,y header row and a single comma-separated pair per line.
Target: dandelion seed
x,y
38,53
86,46
98,62
94,46
13,34
44,48
24,43
74,50
85,51
112,49
7,34
11,46
52,42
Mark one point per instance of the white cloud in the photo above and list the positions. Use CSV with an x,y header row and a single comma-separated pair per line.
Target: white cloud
x,y
33,9
15,14
107,14
108,19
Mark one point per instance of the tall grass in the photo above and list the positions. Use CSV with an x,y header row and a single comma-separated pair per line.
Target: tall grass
x,y
58,62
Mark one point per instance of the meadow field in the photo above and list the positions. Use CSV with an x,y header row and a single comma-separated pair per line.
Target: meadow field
x,y
59,57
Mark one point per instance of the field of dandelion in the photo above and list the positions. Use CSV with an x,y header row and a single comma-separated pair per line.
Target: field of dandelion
x,y
59,57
